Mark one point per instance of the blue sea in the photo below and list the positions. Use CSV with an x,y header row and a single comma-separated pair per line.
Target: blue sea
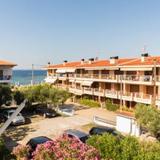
x,y
24,77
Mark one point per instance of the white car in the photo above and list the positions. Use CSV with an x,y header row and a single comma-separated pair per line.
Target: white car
x,y
19,119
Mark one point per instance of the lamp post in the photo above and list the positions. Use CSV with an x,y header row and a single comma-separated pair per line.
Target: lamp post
x,y
32,81
154,83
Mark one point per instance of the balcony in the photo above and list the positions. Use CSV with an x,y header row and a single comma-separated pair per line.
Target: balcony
x,y
128,96
62,86
77,91
137,79
143,98
98,92
88,91
97,77
111,93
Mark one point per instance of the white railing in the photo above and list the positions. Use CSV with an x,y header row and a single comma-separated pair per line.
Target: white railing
x,y
127,96
144,78
111,93
143,98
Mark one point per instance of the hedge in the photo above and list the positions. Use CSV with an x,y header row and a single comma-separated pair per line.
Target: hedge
x,y
89,103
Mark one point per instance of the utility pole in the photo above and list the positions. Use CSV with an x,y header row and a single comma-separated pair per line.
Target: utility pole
x,y
154,83
121,90
32,81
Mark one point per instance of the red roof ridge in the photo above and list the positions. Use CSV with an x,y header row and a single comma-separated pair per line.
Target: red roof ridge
x,y
129,61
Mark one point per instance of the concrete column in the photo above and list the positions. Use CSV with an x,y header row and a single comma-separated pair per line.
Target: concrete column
x,y
100,74
158,91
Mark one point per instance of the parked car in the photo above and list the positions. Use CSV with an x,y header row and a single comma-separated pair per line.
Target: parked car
x,y
19,119
101,130
33,142
66,111
46,112
81,136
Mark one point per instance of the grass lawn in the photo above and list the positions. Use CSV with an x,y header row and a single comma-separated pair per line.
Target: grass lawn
x,y
87,127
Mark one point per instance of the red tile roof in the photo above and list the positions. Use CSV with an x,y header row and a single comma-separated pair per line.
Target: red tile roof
x,y
6,63
106,63
148,61
67,65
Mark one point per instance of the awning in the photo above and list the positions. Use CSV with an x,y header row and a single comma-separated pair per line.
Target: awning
x,y
66,70
70,70
136,69
60,71
50,80
87,83
72,80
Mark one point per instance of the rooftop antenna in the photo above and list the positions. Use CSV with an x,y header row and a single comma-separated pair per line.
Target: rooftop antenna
x,y
144,50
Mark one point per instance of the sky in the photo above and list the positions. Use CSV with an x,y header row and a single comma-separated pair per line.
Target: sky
x,y
41,31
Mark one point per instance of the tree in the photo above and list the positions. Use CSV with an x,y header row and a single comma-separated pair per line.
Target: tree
x,y
5,94
18,97
149,118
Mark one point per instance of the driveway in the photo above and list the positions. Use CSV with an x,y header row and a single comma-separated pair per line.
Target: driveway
x,y
55,126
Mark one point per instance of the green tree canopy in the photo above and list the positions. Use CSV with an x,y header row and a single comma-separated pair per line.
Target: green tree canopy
x,y
149,118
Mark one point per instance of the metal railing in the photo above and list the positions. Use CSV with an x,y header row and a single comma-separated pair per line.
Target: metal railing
x,y
144,78
142,96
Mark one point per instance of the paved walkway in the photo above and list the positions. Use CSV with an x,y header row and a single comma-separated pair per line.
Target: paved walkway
x,y
55,126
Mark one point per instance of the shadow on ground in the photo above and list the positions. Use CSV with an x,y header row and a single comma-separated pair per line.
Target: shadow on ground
x,y
16,133
73,106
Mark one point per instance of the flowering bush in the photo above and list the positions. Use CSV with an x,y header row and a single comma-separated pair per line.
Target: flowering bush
x,y
65,148
21,152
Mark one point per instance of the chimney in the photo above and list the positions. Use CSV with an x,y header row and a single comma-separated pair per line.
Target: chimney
x,y
90,60
64,63
82,61
113,60
143,56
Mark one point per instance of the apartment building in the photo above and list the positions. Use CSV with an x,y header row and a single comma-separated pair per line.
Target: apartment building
x,y
6,71
126,81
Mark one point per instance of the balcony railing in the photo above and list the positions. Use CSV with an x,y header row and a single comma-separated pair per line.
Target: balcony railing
x,y
111,93
143,98
137,78
96,76
130,78
127,96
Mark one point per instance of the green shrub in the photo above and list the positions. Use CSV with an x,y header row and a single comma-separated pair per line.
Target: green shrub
x,y
149,151
89,103
4,152
110,106
107,145
149,118
129,148
18,97
5,94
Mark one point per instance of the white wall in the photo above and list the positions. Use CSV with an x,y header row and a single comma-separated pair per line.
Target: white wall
x,y
127,125
123,124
